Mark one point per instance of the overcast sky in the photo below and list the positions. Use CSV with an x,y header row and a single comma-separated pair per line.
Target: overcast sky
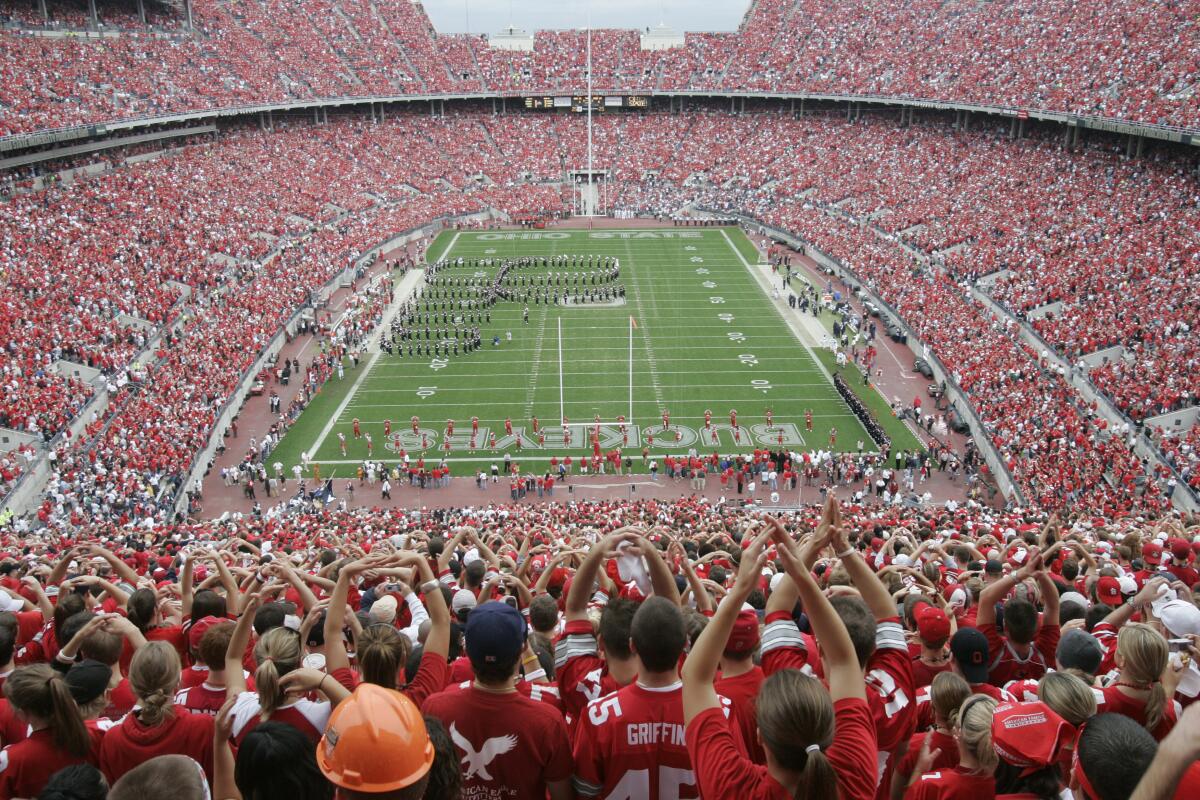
x,y
490,16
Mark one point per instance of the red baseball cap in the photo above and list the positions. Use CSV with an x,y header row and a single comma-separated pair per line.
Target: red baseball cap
x,y
1108,590
932,623
1029,735
1180,549
1152,553
198,629
744,636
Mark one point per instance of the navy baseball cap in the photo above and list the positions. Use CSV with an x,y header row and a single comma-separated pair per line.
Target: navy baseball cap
x,y
495,633
970,649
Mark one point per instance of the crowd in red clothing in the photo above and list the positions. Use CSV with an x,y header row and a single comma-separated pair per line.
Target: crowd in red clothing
x,y
1042,55
584,649
153,241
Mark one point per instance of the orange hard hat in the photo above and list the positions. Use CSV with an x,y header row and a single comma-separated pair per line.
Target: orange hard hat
x,y
376,741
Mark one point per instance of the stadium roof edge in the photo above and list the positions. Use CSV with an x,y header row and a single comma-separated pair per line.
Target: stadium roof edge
x,y
1169,133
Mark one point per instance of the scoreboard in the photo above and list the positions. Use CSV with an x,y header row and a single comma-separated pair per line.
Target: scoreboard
x,y
580,102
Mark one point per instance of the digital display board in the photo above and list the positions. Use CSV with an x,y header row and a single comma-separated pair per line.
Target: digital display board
x,y
579,102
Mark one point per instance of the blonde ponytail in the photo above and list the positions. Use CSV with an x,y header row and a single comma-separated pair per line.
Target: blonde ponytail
x,y
277,653
154,677
975,730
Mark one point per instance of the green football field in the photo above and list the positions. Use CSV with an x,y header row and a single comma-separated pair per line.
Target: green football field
x,y
705,336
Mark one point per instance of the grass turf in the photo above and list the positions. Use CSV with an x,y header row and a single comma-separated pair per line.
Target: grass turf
x,y
707,337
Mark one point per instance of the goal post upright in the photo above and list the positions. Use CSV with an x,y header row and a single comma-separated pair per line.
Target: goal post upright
x,y
561,406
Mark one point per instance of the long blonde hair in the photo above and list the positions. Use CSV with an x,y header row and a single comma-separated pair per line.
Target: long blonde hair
x,y
277,653
946,695
974,728
1144,655
1068,696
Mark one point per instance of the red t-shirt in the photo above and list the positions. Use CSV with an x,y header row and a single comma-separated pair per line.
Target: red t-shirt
x,y
510,745
1007,665
631,743
202,699
1117,702
13,729
923,674
952,784
26,766
722,771
742,691
131,743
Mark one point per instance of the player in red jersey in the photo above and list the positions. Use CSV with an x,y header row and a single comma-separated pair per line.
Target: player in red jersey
x,y
815,737
357,428
510,745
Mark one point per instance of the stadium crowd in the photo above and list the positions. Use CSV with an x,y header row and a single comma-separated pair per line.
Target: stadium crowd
x,y
602,649
1041,56
168,242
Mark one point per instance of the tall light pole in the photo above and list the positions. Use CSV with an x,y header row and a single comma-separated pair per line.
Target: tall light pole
x,y
591,195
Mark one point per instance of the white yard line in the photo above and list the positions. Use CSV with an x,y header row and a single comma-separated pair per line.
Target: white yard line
x,y
408,285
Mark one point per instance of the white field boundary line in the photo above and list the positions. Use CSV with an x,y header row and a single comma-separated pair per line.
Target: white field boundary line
x,y
765,284
585,232
767,288
408,286
635,285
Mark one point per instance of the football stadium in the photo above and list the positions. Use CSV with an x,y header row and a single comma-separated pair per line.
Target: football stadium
x,y
471,400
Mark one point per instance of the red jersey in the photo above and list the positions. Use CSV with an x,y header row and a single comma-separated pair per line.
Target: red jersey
x,y
26,766
925,718
131,743
581,673
722,771
631,744
952,784
202,699
13,729
304,715
890,691
1007,665
742,691
1117,702
510,746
